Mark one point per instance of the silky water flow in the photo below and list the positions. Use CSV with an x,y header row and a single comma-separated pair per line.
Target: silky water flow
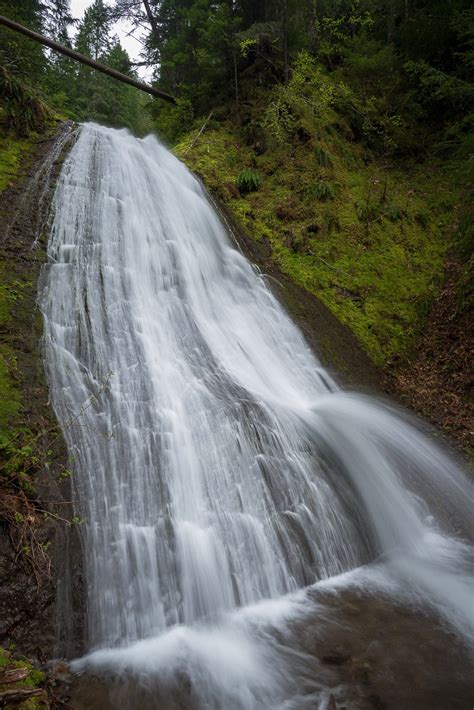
x,y
216,464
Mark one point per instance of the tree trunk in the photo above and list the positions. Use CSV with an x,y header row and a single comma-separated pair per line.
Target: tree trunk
x,y
236,81
284,27
152,21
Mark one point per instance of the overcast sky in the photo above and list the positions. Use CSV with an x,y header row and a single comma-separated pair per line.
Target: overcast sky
x,y
131,44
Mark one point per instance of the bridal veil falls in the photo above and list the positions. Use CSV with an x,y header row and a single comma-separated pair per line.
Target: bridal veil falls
x,y
221,473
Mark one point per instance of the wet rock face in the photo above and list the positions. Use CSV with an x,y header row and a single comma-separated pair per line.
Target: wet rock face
x,y
355,651
383,655
28,593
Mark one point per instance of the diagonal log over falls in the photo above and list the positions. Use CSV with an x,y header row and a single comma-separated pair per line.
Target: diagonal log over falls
x,y
228,486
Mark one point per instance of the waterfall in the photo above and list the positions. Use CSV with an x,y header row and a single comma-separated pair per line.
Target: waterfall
x,y
216,463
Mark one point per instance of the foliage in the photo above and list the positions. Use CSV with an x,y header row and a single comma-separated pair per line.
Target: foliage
x,y
358,58
377,274
77,91
22,109
248,180
278,118
439,88
17,53
171,121
317,98
323,190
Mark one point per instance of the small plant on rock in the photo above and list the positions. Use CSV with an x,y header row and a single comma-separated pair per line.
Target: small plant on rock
x,y
248,181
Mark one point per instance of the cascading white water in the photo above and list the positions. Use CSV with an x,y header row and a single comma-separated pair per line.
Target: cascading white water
x,y
216,463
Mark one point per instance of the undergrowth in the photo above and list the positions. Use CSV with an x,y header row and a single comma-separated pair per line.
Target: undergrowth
x,y
368,239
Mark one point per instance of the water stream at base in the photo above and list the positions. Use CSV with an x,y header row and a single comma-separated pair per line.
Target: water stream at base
x,y
217,466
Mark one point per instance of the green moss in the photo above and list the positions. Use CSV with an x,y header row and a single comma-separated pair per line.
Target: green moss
x,y
375,272
34,679
9,395
11,293
13,152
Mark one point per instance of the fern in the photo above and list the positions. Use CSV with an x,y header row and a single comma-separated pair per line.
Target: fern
x,y
23,109
324,190
322,157
248,181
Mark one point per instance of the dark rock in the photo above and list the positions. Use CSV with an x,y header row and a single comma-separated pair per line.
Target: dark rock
x,y
335,659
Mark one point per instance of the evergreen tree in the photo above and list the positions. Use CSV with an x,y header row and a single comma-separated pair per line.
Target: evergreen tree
x,y
56,18
93,40
93,37
17,53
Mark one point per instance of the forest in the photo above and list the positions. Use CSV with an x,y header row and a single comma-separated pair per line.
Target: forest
x,y
403,68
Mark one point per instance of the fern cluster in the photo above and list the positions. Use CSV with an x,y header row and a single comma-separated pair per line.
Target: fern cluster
x,y
248,180
23,110
324,190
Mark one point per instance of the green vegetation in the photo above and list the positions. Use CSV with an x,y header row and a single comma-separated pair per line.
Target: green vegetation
x,y
15,156
362,134
342,131
9,393
23,436
248,180
33,82
363,251
13,151
30,681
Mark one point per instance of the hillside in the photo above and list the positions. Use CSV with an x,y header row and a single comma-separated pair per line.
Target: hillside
x,y
376,239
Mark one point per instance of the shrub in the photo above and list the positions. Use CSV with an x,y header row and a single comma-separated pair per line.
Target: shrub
x,y
248,180
322,157
24,110
279,120
324,190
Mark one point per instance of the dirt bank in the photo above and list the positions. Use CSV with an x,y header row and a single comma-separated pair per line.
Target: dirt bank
x,y
437,381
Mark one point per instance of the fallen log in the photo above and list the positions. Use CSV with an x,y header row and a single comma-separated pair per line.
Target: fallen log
x,y
78,57
19,695
13,675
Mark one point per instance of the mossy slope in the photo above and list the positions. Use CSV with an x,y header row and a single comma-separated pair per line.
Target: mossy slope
x,y
15,154
369,239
